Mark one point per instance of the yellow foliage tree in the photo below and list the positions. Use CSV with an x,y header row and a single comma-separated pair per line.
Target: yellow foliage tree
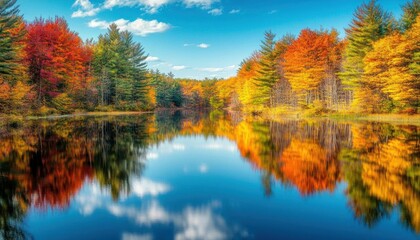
x,y
387,71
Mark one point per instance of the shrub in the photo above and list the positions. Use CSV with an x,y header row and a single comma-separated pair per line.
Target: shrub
x,y
45,111
62,103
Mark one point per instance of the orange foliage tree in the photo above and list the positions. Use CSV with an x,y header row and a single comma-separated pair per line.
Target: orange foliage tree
x,y
57,59
310,61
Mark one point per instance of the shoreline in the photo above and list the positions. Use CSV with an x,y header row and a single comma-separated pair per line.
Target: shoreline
x,y
386,118
12,117
81,114
383,118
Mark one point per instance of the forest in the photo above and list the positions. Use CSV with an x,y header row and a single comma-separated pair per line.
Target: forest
x,y
46,68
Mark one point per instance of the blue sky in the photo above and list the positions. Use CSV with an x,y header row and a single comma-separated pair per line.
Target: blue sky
x,y
200,38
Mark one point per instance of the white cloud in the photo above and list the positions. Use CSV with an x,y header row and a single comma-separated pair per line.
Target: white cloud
x,y
219,146
231,67
159,64
211,69
95,23
216,12
88,13
152,59
203,45
151,6
148,215
152,155
203,168
154,213
131,236
138,27
205,4
192,223
178,68
86,9
146,187
201,223
90,201
178,147
235,11
85,4
94,197
219,69
272,12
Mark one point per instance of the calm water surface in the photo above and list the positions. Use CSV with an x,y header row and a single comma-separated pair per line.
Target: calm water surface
x,y
186,175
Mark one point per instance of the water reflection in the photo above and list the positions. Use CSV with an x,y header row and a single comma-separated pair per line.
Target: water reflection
x,y
193,222
202,222
383,172
50,164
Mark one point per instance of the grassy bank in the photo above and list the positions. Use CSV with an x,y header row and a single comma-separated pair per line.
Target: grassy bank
x,y
390,118
386,118
53,114
16,118
268,115
286,113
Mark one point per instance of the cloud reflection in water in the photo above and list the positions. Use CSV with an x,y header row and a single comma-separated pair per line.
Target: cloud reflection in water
x,y
193,222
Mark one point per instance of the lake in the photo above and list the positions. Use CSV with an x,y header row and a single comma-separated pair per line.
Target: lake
x,y
188,175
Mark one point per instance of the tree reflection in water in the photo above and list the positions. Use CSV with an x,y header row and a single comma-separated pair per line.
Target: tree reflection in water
x,y
44,164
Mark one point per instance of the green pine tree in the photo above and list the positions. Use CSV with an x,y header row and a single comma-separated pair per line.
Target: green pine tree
x,y
120,66
137,58
9,18
268,71
410,12
370,23
101,66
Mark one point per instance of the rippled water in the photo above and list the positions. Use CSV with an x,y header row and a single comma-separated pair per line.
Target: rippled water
x,y
185,175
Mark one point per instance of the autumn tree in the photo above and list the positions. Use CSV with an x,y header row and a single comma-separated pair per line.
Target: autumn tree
x,y
410,12
414,40
304,66
193,94
226,92
370,24
247,72
282,91
311,64
388,68
332,87
85,94
57,62
15,92
211,98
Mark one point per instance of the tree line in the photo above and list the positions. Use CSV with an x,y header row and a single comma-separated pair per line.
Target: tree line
x,y
47,68
375,69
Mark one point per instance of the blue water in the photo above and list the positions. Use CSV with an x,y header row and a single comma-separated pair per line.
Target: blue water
x,y
193,186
